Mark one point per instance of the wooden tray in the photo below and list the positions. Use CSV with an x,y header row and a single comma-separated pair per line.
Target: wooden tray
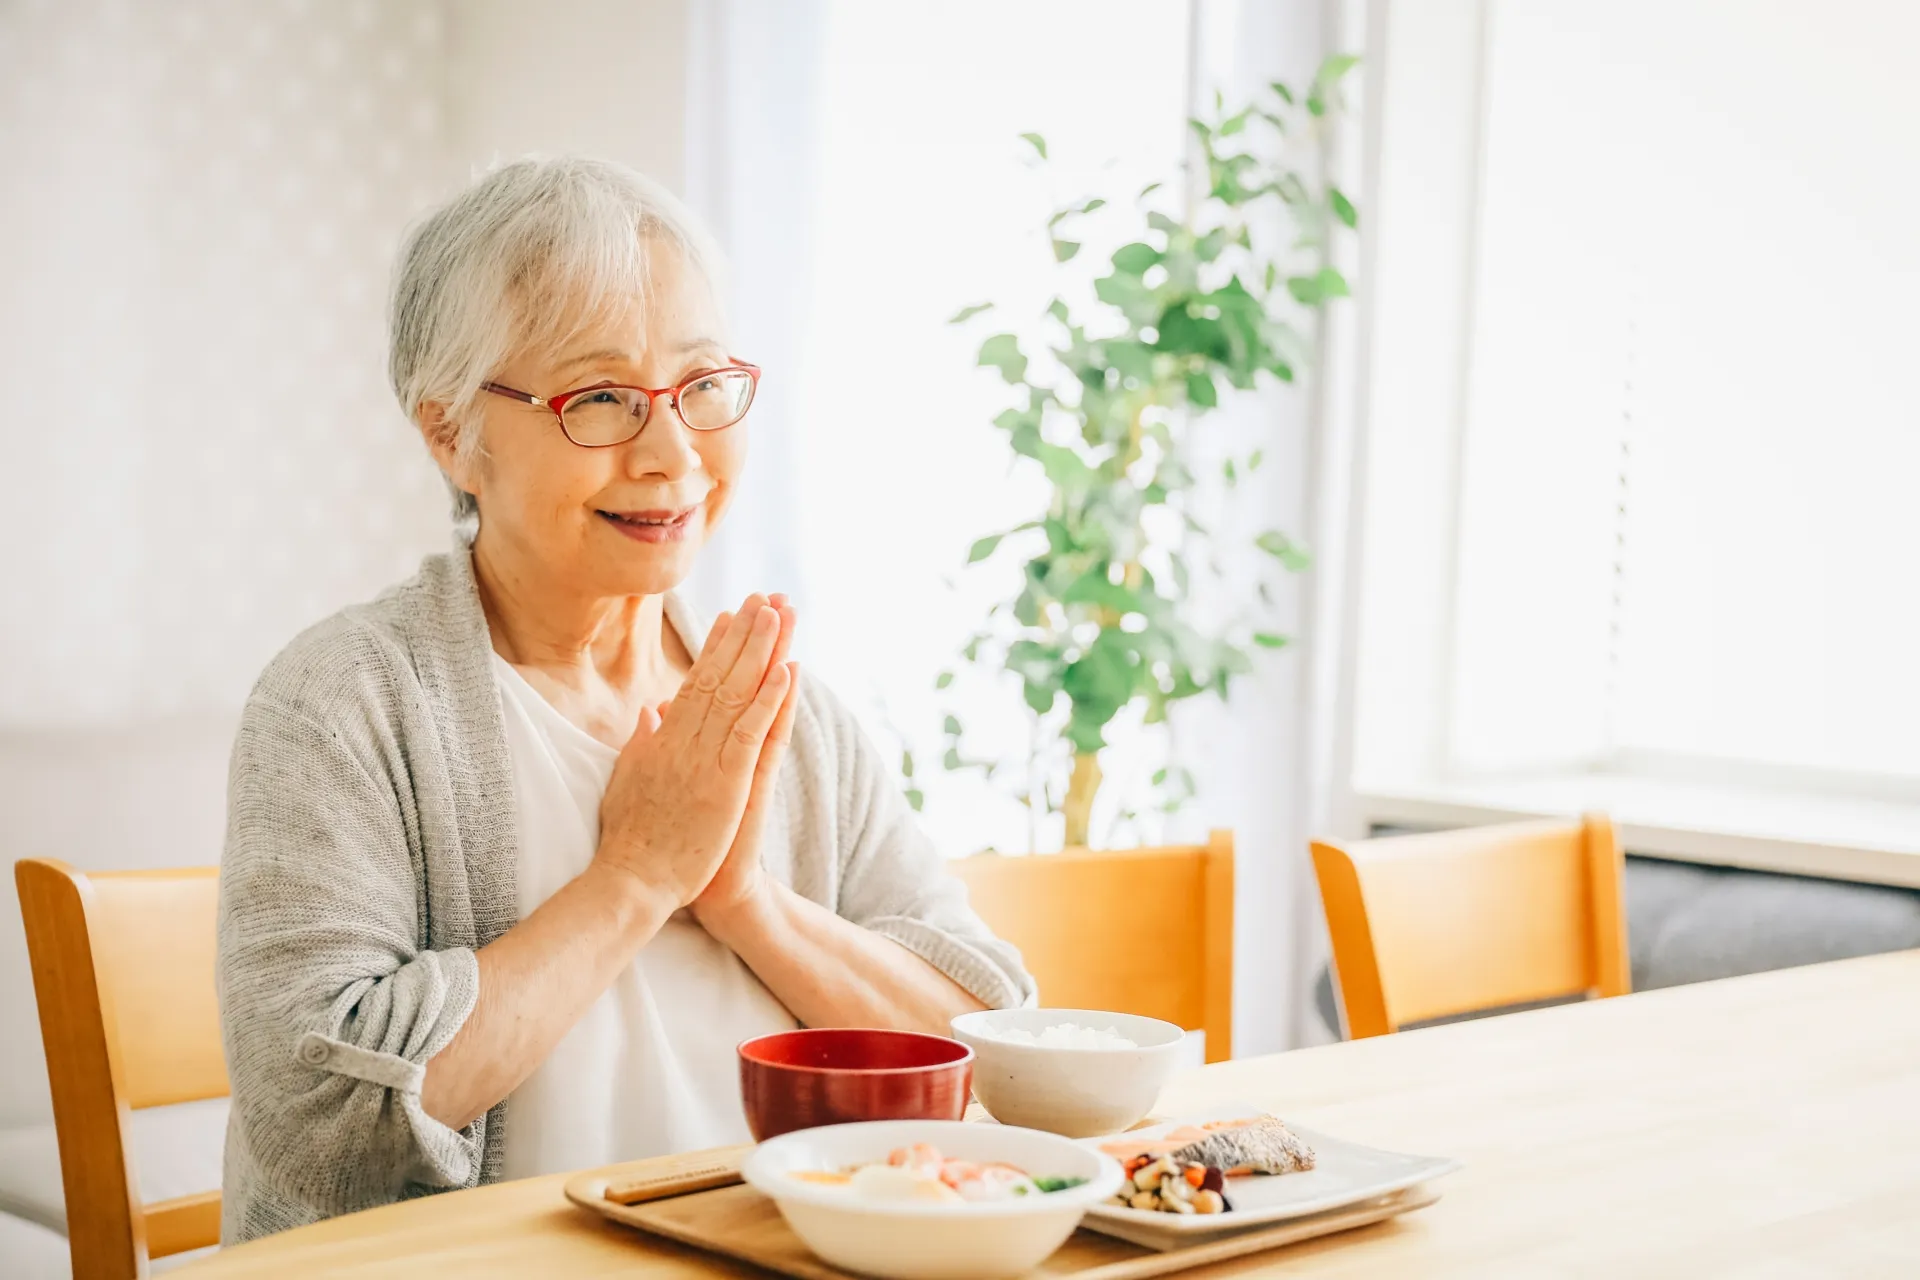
x,y
698,1199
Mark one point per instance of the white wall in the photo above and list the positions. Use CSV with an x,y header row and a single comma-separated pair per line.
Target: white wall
x,y
200,454
603,77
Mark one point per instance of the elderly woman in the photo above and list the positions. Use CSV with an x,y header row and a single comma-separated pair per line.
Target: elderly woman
x,y
518,852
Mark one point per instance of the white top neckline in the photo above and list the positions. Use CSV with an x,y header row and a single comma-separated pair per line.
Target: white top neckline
x,y
650,1068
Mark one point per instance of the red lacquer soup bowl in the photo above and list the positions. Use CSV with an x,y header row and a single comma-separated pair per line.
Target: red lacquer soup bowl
x,y
836,1075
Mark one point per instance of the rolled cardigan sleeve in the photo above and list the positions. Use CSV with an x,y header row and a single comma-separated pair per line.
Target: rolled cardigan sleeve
x,y
329,1007
895,883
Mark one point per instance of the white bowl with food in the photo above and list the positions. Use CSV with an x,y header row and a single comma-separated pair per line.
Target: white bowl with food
x,y
1075,1072
931,1199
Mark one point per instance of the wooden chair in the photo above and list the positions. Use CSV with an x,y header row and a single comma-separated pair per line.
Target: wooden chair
x,y
123,972
1426,926
1142,931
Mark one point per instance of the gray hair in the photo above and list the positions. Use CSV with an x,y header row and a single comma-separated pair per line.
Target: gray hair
x,y
523,258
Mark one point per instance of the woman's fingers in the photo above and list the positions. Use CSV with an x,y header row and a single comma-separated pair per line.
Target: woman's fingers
x,y
766,770
727,652
750,666
775,747
787,616
716,659
740,750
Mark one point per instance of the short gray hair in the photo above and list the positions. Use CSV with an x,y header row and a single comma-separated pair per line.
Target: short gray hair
x,y
524,257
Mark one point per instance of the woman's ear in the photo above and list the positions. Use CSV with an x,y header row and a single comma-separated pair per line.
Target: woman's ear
x,y
443,442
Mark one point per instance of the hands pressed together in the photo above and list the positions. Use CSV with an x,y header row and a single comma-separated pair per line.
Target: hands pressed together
x,y
690,793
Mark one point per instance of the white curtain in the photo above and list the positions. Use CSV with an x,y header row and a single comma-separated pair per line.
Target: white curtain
x,y
860,162
752,145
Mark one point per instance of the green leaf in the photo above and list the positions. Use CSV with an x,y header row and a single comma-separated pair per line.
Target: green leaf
x,y
1316,104
1268,640
1073,210
941,681
1201,391
916,799
1342,207
1093,587
1065,249
1334,67
1315,289
1280,90
1200,127
1134,259
1058,310
1161,222
965,314
1040,698
1132,359
1002,352
1253,462
951,727
1230,472
984,548
1149,189
952,760
1037,142
1235,123
1284,549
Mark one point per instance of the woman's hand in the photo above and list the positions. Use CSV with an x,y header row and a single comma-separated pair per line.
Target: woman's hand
x,y
739,877
674,805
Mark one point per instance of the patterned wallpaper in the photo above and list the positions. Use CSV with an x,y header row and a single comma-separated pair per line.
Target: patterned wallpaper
x,y
198,453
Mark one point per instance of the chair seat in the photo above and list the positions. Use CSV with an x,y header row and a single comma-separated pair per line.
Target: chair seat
x,y
175,1149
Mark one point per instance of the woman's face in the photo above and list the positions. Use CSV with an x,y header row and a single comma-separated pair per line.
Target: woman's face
x,y
626,519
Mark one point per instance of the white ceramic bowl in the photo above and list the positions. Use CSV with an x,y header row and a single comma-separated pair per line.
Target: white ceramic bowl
x,y
973,1241
1080,1093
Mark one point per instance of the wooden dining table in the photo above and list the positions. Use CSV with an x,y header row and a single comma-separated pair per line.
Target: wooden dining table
x,y
1756,1127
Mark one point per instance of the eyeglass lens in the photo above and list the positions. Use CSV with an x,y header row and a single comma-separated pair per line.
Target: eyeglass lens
x,y
614,415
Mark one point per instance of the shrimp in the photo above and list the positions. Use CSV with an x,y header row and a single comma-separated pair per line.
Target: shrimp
x,y
923,1158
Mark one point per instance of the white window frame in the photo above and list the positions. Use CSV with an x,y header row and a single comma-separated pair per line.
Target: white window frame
x,y
1401,375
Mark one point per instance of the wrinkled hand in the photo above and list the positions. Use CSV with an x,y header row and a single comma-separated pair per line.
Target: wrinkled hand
x,y
681,786
740,878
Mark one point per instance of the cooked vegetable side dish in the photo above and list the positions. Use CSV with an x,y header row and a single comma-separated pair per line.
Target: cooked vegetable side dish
x,y
1186,1170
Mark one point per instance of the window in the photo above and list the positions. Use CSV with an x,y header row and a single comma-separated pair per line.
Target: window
x,y
928,103
1639,514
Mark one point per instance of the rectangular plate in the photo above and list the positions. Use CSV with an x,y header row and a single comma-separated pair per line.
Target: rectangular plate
x,y
1344,1173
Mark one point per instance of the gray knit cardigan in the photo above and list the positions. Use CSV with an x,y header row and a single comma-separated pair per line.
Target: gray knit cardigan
x,y
370,851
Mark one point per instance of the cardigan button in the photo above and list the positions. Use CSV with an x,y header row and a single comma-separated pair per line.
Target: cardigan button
x,y
315,1051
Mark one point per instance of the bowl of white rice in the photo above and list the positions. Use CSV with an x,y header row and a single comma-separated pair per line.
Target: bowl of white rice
x,y
1077,1072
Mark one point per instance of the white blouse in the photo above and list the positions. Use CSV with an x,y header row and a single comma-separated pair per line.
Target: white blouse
x,y
650,1069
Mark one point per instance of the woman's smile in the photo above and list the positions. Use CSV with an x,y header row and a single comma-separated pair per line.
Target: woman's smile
x,y
661,524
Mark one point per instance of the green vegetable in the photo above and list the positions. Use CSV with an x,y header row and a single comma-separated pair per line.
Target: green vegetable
x,y
1057,1184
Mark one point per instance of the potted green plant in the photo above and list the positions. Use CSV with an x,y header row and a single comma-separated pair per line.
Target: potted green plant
x,y
1196,308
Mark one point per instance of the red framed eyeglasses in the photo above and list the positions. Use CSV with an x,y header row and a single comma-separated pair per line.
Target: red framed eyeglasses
x,y
601,416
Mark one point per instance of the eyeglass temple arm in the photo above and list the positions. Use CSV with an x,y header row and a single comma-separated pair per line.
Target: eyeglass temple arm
x,y
512,393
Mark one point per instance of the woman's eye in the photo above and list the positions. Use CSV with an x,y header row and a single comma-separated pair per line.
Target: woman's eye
x,y
601,397
706,386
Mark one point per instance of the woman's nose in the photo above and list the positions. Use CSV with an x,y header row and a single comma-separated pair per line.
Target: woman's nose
x,y
664,446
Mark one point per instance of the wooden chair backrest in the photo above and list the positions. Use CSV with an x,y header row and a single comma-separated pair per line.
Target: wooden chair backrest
x,y
123,974
1425,926
1142,931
